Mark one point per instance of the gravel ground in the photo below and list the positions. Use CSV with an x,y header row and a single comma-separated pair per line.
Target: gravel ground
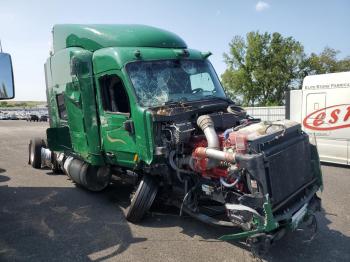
x,y
44,217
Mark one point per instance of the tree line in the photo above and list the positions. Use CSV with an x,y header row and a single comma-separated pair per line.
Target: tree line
x,y
262,66
22,104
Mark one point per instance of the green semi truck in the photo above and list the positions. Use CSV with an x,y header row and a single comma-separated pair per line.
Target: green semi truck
x,y
134,100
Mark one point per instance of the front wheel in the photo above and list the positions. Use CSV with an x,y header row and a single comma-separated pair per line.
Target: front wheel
x,y
142,199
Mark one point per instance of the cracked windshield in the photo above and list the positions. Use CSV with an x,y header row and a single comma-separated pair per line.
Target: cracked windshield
x,y
160,82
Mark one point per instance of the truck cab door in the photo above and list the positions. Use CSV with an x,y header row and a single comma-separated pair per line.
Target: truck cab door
x,y
314,102
117,129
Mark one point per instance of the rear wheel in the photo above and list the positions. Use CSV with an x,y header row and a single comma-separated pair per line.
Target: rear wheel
x,y
142,199
35,145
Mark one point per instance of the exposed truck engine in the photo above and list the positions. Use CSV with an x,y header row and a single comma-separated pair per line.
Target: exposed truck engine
x,y
255,170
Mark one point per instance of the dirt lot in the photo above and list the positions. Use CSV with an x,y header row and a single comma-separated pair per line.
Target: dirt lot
x,y
44,217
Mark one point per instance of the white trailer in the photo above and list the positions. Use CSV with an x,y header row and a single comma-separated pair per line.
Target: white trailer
x,y
322,106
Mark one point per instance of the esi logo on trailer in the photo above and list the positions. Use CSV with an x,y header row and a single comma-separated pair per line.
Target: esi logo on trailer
x,y
329,118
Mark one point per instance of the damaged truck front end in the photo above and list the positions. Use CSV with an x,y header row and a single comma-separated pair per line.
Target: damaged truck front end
x,y
237,171
219,165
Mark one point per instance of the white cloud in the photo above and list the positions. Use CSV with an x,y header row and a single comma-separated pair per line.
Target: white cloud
x,y
261,6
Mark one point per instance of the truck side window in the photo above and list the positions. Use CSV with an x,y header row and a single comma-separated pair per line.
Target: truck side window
x,y
62,112
114,96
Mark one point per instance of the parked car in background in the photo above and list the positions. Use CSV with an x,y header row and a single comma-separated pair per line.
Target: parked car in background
x,y
14,117
33,118
23,117
43,118
5,117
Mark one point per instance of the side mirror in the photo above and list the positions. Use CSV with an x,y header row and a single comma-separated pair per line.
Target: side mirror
x,y
7,88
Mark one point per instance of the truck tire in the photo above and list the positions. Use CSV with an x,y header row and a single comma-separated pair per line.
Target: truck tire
x,y
35,145
142,199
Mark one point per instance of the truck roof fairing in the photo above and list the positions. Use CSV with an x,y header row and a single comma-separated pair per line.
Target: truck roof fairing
x,y
94,37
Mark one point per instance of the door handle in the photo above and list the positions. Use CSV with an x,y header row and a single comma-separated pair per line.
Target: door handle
x,y
110,154
129,126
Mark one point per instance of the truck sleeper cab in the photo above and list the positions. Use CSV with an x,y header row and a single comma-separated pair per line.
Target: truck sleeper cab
x,y
133,100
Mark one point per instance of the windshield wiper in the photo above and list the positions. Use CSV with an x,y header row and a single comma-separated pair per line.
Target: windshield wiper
x,y
220,98
171,102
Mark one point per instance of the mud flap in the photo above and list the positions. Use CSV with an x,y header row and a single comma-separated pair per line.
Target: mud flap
x,y
58,139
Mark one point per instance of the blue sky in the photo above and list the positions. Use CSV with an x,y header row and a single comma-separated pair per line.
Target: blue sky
x,y
25,26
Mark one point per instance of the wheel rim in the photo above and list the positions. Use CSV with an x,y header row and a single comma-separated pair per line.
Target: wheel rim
x,y
31,153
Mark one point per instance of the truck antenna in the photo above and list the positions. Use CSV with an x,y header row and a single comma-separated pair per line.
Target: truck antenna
x,y
0,46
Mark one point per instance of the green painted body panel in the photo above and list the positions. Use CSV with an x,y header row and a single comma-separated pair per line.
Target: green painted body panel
x,y
71,74
94,37
118,144
116,57
115,139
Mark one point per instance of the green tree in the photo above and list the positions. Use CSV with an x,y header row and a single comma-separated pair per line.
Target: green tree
x,y
261,67
3,104
326,62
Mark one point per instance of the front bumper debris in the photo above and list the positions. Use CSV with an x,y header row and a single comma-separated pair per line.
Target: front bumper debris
x,y
271,225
